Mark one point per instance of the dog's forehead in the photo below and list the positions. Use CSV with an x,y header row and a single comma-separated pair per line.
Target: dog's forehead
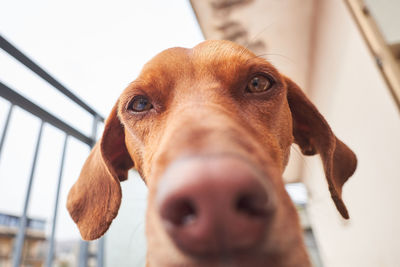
x,y
207,57
221,51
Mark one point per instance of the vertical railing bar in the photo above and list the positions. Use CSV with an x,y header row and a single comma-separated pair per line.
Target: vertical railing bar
x,y
83,253
101,242
100,251
50,254
5,129
96,120
19,244
84,246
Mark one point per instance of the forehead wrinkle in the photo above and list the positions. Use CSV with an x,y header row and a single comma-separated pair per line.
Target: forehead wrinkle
x,y
217,51
222,49
220,58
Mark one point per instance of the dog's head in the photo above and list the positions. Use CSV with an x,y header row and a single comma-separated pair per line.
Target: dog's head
x,y
209,129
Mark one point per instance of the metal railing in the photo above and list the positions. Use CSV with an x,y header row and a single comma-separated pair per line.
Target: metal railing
x,y
16,99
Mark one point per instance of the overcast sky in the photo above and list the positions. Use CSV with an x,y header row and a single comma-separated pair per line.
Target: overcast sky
x,y
94,48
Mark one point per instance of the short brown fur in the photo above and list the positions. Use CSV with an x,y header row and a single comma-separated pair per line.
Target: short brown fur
x,y
200,106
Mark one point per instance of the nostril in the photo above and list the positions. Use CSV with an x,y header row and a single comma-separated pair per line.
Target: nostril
x,y
251,205
180,212
211,207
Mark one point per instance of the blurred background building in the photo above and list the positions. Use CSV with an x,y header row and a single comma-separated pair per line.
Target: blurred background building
x,y
34,247
343,53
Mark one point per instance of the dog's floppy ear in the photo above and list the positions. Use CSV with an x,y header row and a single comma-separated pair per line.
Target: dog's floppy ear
x,y
313,134
94,200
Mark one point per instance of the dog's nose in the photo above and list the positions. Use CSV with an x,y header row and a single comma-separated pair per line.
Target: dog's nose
x,y
214,205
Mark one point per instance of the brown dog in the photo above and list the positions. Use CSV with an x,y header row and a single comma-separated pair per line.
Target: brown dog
x,y
209,129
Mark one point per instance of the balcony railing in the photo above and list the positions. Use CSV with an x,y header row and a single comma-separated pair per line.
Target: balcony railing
x,y
46,117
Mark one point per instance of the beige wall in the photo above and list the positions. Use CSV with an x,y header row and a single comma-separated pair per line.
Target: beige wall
x,y
386,14
350,92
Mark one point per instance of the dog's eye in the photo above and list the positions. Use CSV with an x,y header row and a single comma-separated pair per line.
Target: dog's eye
x,y
259,84
139,104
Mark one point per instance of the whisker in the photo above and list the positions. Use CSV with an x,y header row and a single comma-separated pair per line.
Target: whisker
x,y
258,34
